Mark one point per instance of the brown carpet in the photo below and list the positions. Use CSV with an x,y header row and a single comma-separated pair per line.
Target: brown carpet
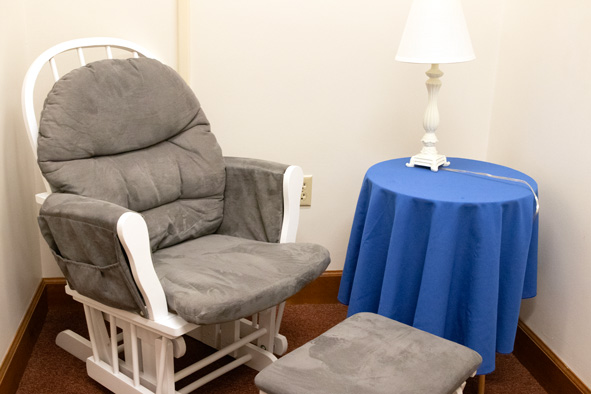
x,y
53,370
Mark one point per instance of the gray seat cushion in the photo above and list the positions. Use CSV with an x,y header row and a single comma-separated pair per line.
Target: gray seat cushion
x,y
371,354
219,278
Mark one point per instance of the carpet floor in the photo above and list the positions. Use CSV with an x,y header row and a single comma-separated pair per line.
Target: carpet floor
x,y
53,370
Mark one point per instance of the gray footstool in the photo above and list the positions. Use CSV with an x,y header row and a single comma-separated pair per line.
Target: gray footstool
x,y
371,354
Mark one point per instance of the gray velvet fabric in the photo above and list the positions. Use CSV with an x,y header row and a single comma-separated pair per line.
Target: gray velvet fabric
x,y
253,199
219,278
371,354
131,132
82,235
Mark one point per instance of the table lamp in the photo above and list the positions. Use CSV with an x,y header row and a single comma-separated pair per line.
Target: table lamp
x,y
435,33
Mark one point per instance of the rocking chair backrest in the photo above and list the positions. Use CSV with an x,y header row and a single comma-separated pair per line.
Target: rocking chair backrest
x,y
49,58
131,132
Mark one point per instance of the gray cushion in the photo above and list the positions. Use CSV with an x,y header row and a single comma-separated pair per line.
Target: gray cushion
x,y
131,132
371,354
82,235
253,199
218,278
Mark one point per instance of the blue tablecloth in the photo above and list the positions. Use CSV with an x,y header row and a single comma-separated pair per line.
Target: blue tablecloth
x,y
449,253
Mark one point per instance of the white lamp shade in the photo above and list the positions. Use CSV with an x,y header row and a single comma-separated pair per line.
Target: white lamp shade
x,y
435,33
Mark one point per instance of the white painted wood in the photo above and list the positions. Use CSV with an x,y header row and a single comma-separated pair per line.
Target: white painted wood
x,y
134,356
54,71
90,325
279,345
133,234
261,359
267,319
81,57
292,189
280,310
219,354
165,366
121,384
41,197
229,333
429,157
215,374
460,389
279,341
75,344
147,350
114,347
172,327
127,349
179,347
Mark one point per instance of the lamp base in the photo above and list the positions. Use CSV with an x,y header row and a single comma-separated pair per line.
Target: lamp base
x,y
428,160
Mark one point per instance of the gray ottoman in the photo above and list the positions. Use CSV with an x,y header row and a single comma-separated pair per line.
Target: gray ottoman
x,y
371,354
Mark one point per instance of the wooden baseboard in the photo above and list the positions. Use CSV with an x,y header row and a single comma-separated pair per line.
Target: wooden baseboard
x,y
323,290
56,293
14,364
544,364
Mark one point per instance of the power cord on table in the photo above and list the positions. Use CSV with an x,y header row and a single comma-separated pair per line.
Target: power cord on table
x,y
499,177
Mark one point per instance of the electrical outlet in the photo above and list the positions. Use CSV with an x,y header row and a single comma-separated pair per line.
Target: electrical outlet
x,y
306,196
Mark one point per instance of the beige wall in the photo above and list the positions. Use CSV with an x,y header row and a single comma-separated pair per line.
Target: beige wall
x,y
316,84
20,272
541,125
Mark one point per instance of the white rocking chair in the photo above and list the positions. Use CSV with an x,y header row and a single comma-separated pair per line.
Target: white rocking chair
x,y
132,351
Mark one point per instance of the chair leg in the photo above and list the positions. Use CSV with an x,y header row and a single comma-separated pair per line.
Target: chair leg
x,y
267,319
99,339
74,344
164,366
127,354
279,346
229,333
460,389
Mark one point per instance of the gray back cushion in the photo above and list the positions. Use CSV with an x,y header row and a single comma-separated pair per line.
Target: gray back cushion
x,y
131,132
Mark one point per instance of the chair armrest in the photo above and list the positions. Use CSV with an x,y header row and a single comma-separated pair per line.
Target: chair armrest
x,y
261,200
86,237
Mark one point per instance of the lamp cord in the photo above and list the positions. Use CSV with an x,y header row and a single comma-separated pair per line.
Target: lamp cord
x,y
500,177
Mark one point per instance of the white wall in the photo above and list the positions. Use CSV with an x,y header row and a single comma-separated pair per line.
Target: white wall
x,y
315,83
20,272
541,125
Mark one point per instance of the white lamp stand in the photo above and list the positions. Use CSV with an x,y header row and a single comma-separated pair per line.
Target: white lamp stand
x,y
435,33
428,157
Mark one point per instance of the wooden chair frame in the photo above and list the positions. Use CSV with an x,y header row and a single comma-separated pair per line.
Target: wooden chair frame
x,y
129,353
